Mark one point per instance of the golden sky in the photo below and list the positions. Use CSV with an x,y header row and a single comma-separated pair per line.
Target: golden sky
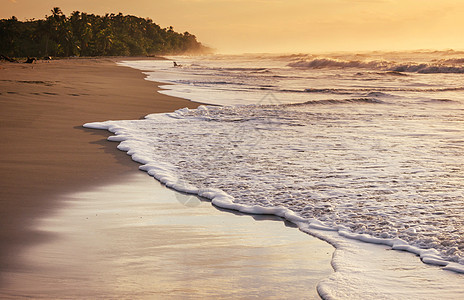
x,y
237,26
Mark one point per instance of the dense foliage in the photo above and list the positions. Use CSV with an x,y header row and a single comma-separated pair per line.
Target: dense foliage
x,y
83,34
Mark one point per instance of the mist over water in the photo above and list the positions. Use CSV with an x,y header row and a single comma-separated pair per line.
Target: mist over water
x,y
367,145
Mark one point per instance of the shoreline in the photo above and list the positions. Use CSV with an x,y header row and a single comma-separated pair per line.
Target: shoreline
x,y
43,108
46,151
55,173
419,269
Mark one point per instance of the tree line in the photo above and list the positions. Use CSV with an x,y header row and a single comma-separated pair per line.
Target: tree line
x,y
83,34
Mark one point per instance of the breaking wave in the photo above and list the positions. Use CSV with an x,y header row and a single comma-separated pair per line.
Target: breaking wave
x,y
338,101
378,92
443,66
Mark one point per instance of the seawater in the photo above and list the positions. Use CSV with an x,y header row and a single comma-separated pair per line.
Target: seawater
x,y
366,146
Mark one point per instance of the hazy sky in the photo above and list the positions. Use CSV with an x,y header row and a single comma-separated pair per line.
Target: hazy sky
x,y
285,25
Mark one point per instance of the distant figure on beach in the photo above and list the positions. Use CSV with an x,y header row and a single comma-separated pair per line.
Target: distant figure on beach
x,y
30,60
176,65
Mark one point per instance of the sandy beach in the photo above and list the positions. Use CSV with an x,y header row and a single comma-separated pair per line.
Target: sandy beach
x,y
48,158
44,149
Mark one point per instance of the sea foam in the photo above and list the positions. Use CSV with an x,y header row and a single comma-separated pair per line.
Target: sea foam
x,y
222,153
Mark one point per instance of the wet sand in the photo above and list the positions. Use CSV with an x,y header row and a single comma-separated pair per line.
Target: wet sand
x,y
46,152
139,240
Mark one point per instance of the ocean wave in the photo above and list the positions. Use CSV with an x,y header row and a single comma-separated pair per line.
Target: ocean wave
x,y
393,73
319,63
379,94
330,91
391,68
231,69
376,92
427,68
339,101
442,101
452,61
202,83
256,70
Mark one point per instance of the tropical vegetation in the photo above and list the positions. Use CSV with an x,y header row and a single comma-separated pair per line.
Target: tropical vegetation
x,y
82,34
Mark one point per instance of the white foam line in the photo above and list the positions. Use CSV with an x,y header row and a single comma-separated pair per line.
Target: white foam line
x,y
165,173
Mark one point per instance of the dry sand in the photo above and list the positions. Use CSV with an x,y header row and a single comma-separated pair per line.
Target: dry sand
x,y
78,219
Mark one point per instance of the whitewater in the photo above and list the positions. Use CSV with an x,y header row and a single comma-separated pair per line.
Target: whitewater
x,y
360,150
